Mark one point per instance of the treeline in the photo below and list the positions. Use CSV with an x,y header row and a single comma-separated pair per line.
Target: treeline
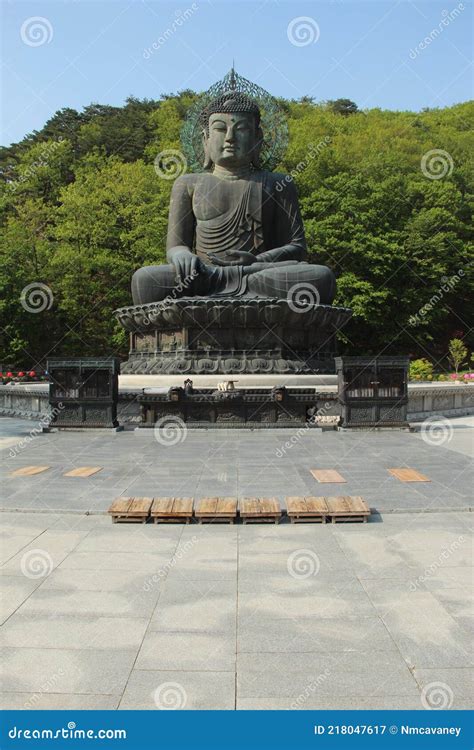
x,y
387,200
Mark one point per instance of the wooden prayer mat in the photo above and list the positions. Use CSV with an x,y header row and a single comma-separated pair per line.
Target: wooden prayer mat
x,y
83,471
217,509
130,509
408,475
172,509
260,510
29,471
307,509
347,508
327,475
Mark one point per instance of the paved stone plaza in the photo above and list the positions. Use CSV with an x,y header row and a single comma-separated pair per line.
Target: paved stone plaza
x,y
271,462
97,615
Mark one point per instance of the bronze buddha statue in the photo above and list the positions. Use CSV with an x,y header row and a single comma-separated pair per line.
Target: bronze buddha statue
x,y
235,229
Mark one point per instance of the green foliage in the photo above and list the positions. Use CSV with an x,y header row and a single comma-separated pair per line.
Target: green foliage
x,y
457,354
342,106
421,369
82,208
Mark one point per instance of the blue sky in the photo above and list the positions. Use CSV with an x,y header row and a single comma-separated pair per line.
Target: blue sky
x,y
95,51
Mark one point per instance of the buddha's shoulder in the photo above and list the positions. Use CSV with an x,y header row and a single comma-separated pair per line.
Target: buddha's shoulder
x,y
185,181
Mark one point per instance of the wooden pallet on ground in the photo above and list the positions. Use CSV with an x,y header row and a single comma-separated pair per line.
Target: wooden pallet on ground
x,y
172,509
216,510
408,475
83,471
130,509
260,510
329,476
347,508
29,471
307,509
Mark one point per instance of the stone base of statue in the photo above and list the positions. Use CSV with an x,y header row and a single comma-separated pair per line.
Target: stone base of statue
x,y
230,336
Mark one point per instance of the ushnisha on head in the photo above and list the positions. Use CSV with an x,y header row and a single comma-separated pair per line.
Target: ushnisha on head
x,y
231,131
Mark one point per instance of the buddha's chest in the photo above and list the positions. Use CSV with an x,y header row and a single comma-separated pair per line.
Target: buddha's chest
x,y
214,198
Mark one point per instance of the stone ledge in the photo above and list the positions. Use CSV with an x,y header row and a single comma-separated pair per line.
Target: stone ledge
x,y
232,312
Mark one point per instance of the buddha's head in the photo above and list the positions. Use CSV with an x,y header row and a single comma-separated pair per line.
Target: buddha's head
x,y
231,132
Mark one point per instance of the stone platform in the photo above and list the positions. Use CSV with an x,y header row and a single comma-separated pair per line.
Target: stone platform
x,y
231,336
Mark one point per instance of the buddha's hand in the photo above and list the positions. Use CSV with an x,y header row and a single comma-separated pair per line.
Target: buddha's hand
x,y
236,258
187,264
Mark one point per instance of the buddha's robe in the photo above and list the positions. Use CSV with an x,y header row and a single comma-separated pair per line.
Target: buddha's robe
x,y
264,219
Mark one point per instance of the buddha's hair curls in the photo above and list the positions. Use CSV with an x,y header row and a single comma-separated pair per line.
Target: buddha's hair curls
x,y
228,103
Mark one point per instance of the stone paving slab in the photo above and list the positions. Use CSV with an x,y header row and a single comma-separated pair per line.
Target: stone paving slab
x,y
70,670
33,630
51,701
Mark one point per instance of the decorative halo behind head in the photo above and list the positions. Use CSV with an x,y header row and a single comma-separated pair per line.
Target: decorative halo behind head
x,y
236,94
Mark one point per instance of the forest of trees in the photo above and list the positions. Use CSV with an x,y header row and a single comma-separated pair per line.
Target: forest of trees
x,y
83,207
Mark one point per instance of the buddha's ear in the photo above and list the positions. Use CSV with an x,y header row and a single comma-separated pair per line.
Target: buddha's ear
x,y
208,164
257,148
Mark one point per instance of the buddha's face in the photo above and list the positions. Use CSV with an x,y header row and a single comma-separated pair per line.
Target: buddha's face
x,y
232,139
